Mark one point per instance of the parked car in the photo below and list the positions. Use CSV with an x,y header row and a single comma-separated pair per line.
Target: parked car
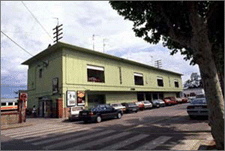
x,y
147,104
184,100
155,103
118,106
179,100
170,100
99,113
140,105
197,107
161,103
74,112
130,107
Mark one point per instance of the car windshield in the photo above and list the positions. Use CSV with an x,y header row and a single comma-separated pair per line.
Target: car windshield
x,y
131,105
200,96
155,101
198,101
115,105
146,102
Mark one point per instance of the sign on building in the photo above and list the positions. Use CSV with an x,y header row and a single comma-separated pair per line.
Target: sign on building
x,y
80,98
71,98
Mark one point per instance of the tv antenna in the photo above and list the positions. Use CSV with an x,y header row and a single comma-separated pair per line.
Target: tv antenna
x,y
158,63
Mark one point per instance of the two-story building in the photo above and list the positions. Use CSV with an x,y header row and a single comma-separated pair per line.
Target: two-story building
x,y
65,75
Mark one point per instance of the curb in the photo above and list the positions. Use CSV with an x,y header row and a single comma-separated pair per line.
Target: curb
x,y
5,127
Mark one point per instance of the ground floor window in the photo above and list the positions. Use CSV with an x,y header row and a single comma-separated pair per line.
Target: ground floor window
x,y
95,99
140,97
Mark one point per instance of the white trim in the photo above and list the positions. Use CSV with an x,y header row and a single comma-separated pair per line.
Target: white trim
x,y
138,74
159,78
175,80
95,68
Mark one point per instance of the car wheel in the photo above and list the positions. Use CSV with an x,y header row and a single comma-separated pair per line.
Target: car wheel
x,y
136,111
191,116
98,119
119,115
85,121
157,106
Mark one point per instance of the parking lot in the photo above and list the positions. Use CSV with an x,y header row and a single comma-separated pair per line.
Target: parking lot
x,y
165,128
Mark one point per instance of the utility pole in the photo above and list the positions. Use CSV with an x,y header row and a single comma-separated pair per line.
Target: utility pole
x,y
158,63
56,33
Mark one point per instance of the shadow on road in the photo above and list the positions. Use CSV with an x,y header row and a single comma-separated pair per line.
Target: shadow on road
x,y
151,126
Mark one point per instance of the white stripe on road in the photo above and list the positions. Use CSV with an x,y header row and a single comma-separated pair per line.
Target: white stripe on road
x,y
99,141
154,143
185,145
45,133
60,137
125,142
78,139
32,131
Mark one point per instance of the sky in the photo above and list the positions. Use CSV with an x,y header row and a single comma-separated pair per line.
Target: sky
x,y
81,20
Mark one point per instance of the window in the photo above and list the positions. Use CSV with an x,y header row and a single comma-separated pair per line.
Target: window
x,y
3,104
10,103
40,73
176,84
120,75
16,103
140,97
160,82
138,79
95,74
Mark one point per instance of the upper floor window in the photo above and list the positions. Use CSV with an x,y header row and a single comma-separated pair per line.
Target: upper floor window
x,y
40,73
120,72
95,74
10,103
160,81
138,79
176,84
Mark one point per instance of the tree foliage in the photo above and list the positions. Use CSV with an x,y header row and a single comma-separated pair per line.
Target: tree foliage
x,y
170,22
195,28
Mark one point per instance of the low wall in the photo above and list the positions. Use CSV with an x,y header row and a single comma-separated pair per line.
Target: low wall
x,y
9,117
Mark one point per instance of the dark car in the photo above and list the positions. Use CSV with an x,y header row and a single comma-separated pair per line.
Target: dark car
x,y
155,103
130,107
99,113
197,108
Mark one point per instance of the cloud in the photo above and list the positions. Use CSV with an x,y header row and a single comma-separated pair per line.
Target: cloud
x,y
80,19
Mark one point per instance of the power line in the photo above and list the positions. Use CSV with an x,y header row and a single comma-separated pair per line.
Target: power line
x,y
37,20
16,43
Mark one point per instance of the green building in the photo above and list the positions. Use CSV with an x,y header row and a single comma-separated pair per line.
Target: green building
x,y
65,75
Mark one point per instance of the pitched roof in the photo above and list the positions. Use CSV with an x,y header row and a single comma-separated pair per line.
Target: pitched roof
x,y
59,45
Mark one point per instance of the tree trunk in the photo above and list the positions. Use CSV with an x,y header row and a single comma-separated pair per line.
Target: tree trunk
x,y
213,94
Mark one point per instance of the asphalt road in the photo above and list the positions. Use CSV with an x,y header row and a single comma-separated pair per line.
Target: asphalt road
x,y
166,128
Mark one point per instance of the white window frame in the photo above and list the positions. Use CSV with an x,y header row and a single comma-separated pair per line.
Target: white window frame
x,y
138,74
95,67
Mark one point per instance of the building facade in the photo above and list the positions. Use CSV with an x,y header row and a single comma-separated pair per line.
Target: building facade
x,y
65,75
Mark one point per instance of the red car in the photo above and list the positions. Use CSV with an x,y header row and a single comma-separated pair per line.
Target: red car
x,y
170,100
184,100
140,105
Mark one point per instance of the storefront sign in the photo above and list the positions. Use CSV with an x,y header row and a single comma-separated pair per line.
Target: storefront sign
x,y
80,98
55,87
71,98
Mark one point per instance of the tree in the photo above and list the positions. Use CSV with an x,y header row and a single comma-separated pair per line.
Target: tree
x,y
196,30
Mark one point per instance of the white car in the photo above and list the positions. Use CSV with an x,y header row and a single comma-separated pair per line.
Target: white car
x,y
197,107
118,106
74,112
179,100
147,104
